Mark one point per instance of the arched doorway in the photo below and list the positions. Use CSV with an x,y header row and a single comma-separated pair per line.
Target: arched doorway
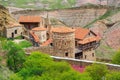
x,y
12,35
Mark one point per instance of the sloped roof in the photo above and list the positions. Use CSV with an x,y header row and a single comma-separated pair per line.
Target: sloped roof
x,y
62,30
36,38
47,42
31,19
80,33
39,29
89,39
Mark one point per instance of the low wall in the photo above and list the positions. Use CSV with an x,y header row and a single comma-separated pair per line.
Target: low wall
x,y
49,50
44,49
86,62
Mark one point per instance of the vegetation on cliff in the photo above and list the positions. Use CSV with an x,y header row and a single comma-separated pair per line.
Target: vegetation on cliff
x,y
39,4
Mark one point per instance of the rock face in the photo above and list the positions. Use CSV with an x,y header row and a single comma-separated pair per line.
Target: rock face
x,y
5,16
112,36
109,30
71,17
9,27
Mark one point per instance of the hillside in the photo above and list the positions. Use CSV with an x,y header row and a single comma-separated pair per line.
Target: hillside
x,y
109,30
5,16
39,4
75,17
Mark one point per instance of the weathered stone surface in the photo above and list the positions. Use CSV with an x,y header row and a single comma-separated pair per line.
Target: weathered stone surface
x,y
64,44
71,17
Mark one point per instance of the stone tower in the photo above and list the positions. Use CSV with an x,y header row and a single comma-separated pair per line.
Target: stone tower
x,y
64,42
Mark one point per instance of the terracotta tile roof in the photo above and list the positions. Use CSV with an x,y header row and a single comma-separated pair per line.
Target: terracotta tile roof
x,y
90,39
39,29
36,38
29,19
62,30
80,33
47,42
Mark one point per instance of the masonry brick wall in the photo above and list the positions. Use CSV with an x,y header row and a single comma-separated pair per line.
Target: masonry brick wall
x,y
9,31
64,44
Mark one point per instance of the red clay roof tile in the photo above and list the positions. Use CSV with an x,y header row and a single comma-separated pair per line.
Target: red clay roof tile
x,y
39,29
80,33
31,19
89,39
36,38
47,42
62,30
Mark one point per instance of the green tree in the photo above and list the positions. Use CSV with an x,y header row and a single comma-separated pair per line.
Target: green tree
x,y
97,71
15,57
116,58
15,77
113,76
39,66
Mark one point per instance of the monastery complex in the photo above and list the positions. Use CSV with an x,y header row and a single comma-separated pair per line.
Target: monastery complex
x,y
65,41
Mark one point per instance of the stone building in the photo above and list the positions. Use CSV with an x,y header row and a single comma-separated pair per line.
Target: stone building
x,y
11,30
63,42
76,43
41,33
30,22
86,42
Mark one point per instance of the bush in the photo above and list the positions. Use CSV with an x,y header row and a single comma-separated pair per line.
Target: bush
x,y
116,58
97,71
113,76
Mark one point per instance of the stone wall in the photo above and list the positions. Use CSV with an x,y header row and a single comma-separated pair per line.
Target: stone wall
x,y
43,49
86,62
64,44
42,35
12,30
71,17
89,55
49,50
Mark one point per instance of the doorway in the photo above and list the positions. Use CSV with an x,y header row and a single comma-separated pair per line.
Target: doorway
x,y
12,35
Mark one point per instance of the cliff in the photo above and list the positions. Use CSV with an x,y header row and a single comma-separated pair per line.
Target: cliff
x,y
77,17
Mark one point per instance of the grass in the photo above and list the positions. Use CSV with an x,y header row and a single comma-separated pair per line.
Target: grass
x,y
25,44
53,4
105,52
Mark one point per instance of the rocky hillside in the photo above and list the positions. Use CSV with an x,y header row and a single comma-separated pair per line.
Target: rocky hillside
x,y
76,17
109,30
108,27
5,16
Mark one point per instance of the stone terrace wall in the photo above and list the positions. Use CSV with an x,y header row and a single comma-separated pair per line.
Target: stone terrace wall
x,y
71,17
47,50
84,63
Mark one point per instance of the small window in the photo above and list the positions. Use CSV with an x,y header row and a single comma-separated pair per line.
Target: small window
x,y
93,55
65,44
85,56
89,33
66,54
51,44
15,31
